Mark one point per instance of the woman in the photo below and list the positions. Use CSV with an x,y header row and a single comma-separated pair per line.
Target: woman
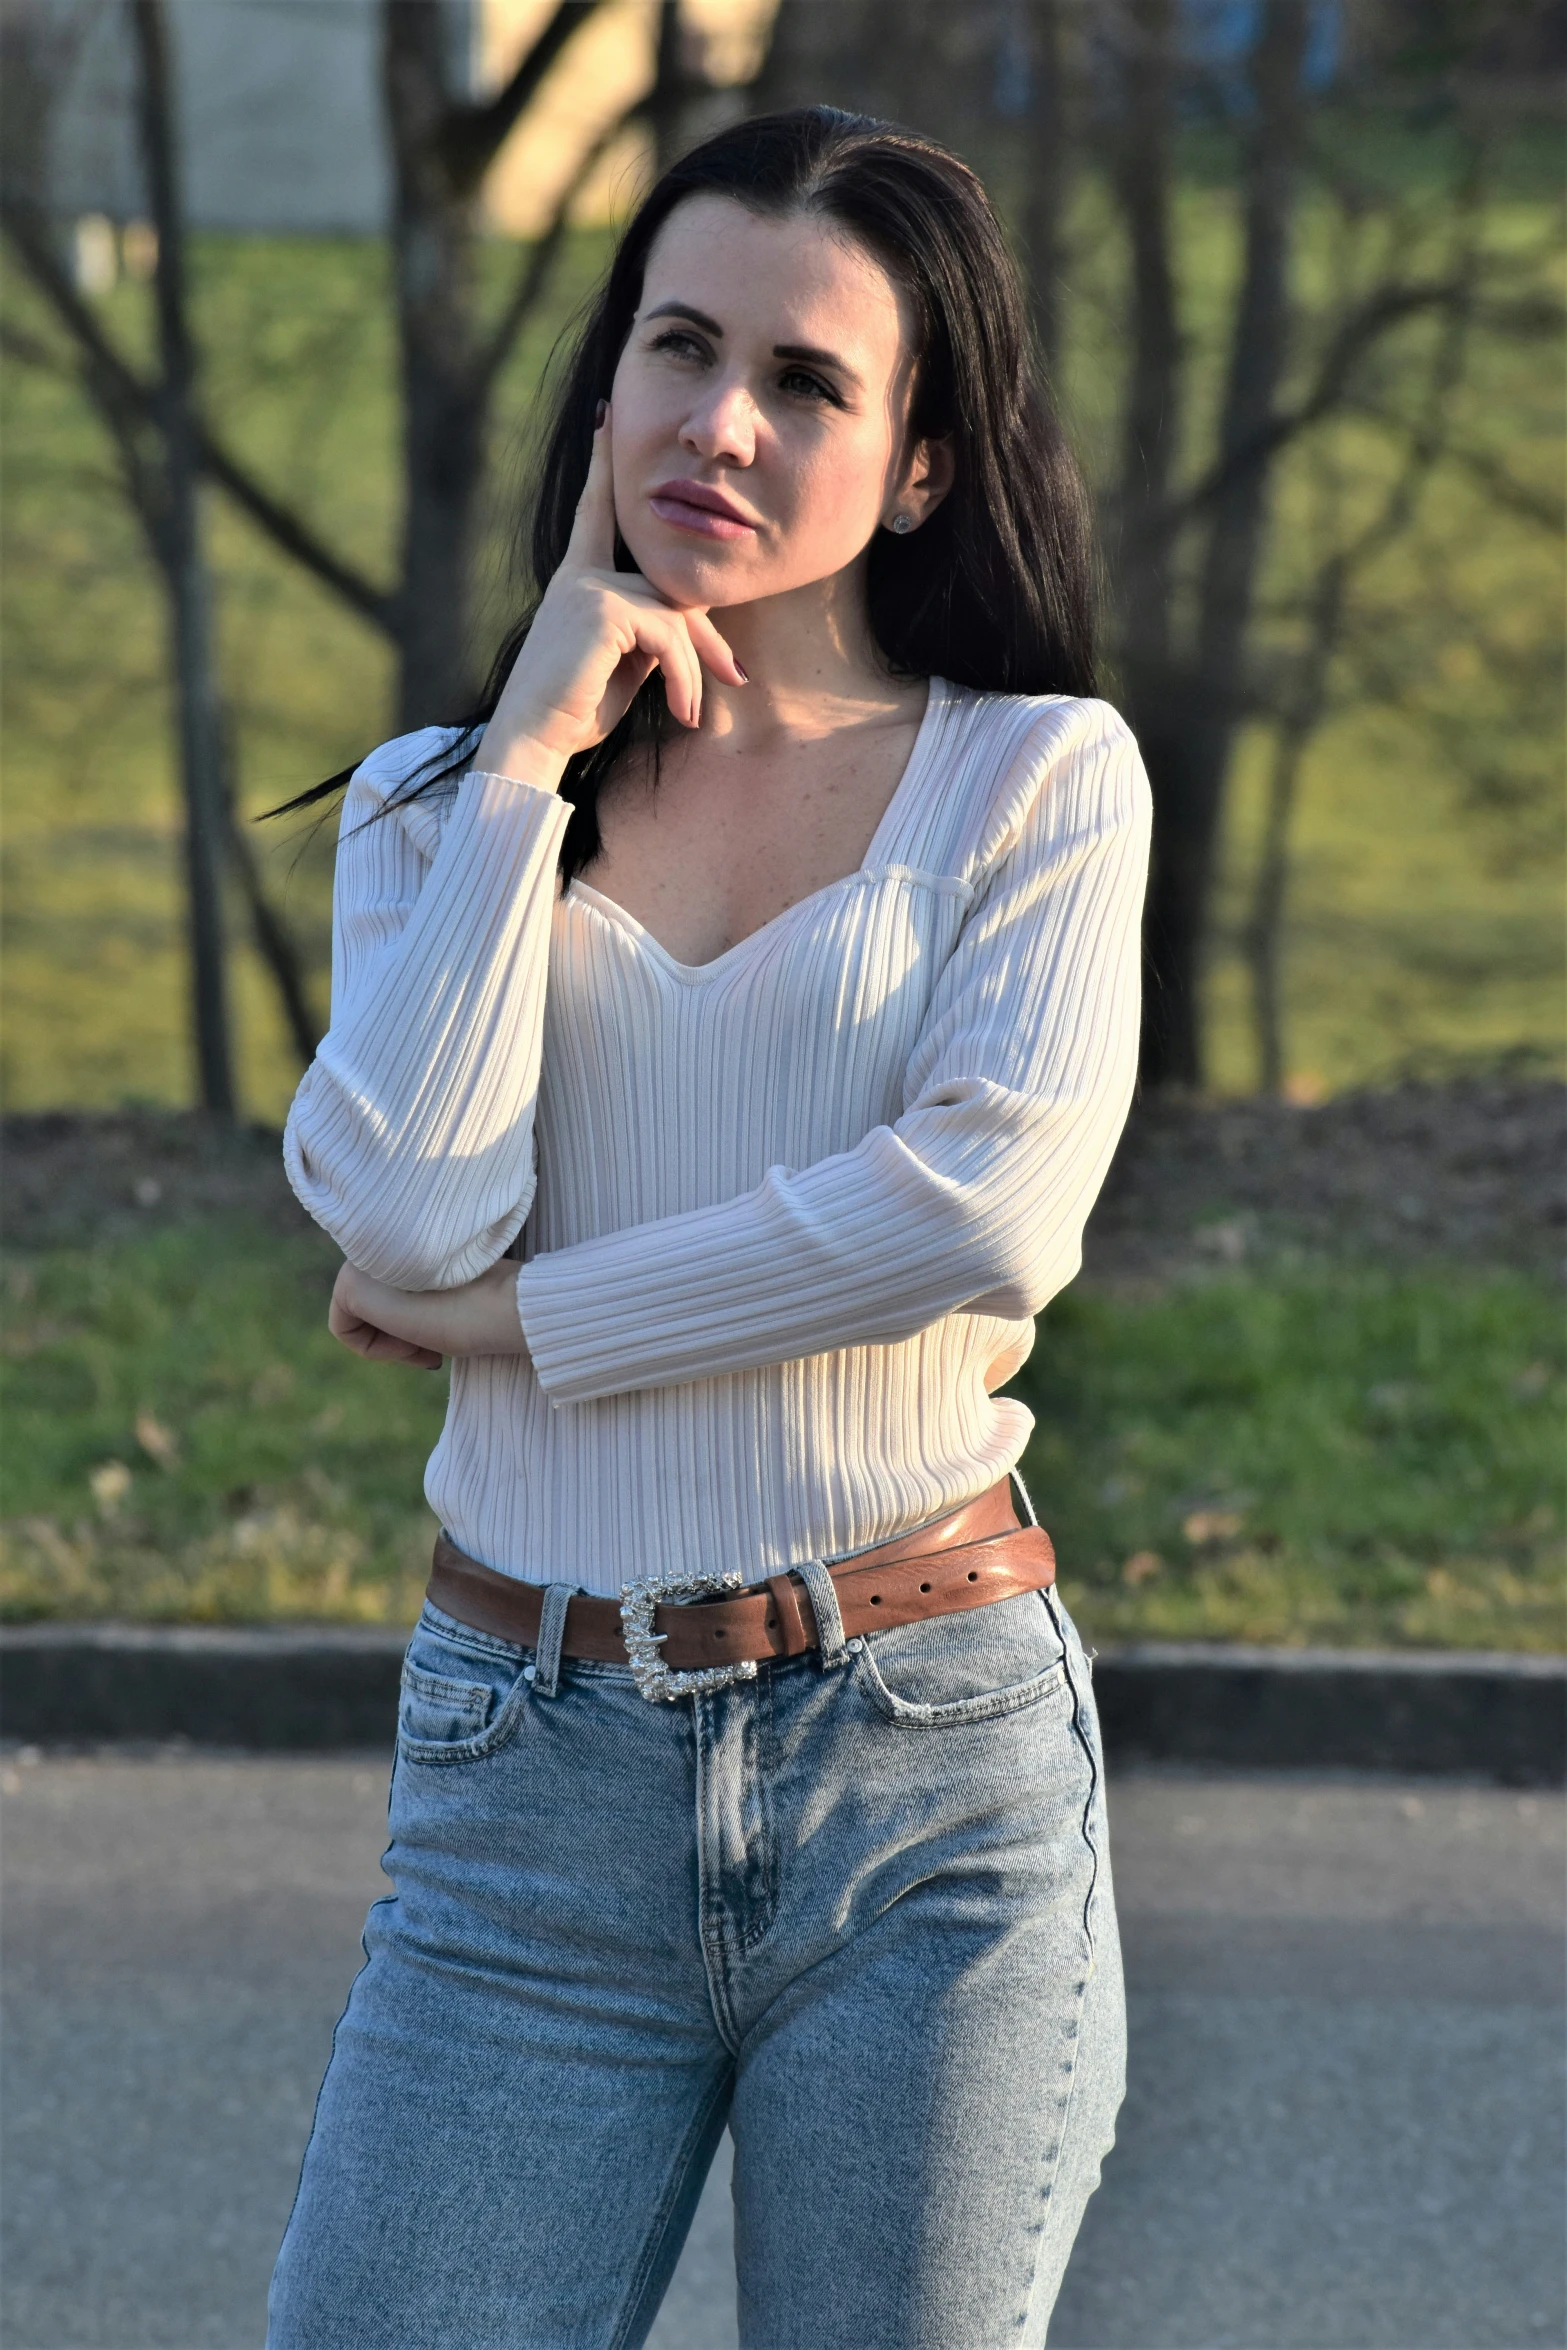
x,y
760,968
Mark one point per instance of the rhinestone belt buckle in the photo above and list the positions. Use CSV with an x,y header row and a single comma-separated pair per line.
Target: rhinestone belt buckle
x,y
653,1677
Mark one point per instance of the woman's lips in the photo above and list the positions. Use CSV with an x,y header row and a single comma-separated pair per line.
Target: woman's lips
x,y
685,506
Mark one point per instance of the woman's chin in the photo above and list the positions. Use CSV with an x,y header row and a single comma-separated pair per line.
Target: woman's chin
x,y
698,580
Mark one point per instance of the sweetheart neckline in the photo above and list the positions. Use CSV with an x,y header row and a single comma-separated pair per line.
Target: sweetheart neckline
x,y
938,695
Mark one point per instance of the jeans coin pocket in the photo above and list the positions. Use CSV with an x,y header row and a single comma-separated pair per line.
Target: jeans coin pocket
x,y
459,1695
435,1708
969,1667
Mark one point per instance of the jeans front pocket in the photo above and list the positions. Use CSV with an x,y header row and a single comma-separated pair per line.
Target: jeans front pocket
x,y
462,1691
986,1661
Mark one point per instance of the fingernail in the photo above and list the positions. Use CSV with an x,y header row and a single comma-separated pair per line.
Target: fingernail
x,y
599,414
742,673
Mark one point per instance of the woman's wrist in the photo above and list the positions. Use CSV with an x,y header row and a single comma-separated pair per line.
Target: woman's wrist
x,y
520,757
486,1313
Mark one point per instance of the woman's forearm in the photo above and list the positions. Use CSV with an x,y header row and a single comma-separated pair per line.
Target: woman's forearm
x,y
420,1326
411,1136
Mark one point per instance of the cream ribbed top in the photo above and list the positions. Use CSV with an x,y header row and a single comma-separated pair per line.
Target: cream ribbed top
x,y
779,1212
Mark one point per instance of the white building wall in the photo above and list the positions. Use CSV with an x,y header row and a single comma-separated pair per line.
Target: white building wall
x,y
279,105
279,112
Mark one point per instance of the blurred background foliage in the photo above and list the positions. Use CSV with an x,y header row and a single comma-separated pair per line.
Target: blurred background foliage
x,y
1424,908
1385,861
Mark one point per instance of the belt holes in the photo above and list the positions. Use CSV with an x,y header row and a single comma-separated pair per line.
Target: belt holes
x,y
924,1586
875,1599
973,1574
719,1633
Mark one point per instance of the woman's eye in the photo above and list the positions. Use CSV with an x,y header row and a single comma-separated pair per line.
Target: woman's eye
x,y
796,381
678,344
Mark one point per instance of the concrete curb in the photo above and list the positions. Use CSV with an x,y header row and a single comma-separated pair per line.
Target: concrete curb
x,y
1472,1711
313,1688
307,1686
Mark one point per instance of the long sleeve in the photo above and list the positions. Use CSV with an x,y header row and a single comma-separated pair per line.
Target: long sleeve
x,y
411,1136
975,1198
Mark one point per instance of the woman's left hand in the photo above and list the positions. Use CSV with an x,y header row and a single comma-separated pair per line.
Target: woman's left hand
x,y
417,1327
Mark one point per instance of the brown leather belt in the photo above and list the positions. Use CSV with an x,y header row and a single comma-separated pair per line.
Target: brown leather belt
x,y
975,1555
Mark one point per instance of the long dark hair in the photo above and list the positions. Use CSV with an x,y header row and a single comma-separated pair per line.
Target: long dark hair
x,y
996,589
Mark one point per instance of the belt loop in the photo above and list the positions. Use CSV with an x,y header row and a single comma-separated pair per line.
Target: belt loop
x,y
552,1629
824,1606
1017,1479
795,1634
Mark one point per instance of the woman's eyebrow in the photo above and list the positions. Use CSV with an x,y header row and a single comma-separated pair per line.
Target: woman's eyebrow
x,y
688,310
817,358
808,352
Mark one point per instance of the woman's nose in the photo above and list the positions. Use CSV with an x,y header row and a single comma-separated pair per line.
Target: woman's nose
x,y
723,427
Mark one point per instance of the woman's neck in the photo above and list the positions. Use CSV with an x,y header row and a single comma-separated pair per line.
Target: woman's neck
x,y
813,665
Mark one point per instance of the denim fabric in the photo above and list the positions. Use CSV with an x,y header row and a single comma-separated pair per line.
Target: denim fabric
x,y
859,1909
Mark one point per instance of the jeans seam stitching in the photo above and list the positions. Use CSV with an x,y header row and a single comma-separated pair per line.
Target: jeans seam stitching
x,y
992,1706
710,1933
631,2308
493,1739
467,1637
1094,1776
1053,2169
767,1908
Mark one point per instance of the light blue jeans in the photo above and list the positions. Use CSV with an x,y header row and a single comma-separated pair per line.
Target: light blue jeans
x,y
859,1910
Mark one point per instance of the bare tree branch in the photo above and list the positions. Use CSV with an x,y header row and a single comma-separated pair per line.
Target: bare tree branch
x,y
295,538
28,351
1388,307
534,275
1303,708
128,408
1516,496
470,138
118,382
276,947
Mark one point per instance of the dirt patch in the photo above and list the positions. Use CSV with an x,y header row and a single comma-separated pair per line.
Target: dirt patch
x,y
1468,1172
69,1178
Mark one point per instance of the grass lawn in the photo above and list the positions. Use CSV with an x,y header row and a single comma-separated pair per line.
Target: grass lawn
x,y
183,1440
1339,1454
1342,1455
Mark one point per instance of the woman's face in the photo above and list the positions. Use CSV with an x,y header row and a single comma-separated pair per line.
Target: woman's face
x,y
760,407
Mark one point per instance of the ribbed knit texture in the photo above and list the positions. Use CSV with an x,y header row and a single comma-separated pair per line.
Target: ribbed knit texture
x,y
781,1212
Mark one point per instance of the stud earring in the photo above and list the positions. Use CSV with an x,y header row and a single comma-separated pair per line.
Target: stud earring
x,y
903,524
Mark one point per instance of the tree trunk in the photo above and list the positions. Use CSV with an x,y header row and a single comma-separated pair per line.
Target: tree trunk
x,y
443,143
444,459
675,86
1188,774
200,726
433,227
1265,929
278,951
921,62
1142,533
1045,175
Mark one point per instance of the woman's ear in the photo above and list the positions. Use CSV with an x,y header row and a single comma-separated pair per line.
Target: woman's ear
x,y
932,471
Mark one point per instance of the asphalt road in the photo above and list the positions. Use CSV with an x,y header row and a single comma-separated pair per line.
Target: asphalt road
x,y
1344,2126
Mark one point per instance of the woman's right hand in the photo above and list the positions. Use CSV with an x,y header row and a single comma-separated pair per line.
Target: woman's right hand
x,y
597,636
